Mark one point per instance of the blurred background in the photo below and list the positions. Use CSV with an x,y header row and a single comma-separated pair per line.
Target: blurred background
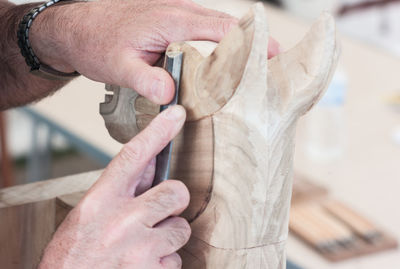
x,y
30,135
347,161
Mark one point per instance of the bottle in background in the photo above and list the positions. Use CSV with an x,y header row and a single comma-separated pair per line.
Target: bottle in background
x,y
309,9
326,123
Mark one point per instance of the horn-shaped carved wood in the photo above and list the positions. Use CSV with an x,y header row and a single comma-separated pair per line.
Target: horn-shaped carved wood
x,y
235,152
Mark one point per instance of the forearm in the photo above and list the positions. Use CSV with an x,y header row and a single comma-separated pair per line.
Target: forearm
x,y
17,85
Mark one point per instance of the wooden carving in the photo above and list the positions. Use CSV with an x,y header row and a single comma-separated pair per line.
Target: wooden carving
x,y
235,152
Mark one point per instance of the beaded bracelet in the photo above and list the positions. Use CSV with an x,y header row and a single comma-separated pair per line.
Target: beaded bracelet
x,y
38,68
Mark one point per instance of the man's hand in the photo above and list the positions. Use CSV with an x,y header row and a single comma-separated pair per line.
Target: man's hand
x,y
112,41
120,223
118,41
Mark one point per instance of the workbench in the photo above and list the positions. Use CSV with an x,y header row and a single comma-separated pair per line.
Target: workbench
x,y
367,177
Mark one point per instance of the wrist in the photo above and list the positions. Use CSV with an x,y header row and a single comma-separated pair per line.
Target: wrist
x,y
50,35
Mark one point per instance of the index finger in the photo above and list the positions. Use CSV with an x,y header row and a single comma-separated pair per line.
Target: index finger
x,y
122,174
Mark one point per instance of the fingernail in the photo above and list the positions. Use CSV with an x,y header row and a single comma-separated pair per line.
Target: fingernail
x,y
158,89
175,113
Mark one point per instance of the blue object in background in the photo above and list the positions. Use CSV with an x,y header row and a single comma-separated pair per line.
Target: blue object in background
x,y
290,265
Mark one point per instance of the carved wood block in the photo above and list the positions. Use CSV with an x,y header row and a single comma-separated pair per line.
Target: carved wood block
x,y
235,152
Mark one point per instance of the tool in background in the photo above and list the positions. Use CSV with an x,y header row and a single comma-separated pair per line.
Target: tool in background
x,y
332,228
173,64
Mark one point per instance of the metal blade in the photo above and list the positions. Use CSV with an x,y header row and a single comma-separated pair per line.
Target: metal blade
x,y
173,64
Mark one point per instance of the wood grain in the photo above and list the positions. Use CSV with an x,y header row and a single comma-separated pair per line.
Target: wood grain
x,y
253,149
196,171
46,190
31,213
25,231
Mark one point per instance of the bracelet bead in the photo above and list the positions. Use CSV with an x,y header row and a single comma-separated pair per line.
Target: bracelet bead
x,y
27,52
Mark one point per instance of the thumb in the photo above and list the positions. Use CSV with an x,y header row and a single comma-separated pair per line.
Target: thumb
x,y
123,174
154,83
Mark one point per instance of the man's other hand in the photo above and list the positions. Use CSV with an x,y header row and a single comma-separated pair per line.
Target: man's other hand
x,y
121,223
118,41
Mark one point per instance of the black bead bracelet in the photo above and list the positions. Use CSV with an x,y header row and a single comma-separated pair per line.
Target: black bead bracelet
x,y
32,61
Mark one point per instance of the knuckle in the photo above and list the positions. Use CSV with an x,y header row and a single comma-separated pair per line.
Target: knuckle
x,y
177,239
177,192
132,77
179,234
176,261
224,25
184,227
157,202
181,192
134,151
88,206
168,195
221,26
159,129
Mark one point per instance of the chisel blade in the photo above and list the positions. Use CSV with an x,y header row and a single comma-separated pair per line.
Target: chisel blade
x,y
173,65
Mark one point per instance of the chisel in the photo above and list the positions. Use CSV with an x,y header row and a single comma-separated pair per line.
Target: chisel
x,y
173,65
